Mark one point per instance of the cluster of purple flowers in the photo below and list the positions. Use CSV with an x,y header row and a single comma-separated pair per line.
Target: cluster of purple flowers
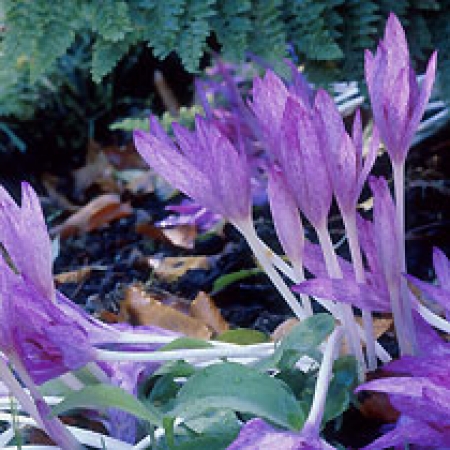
x,y
310,159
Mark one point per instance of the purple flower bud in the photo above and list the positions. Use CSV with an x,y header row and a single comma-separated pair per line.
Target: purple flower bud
x,y
286,216
398,102
206,167
300,157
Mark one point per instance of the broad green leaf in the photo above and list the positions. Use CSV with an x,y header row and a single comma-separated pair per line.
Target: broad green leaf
x,y
225,280
185,343
243,336
302,340
177,368
341,388
164,389
104,396
240,388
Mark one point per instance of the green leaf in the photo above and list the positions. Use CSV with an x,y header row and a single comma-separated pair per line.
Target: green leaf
x,y
103,396
178,368
185,343
243,336
225,280
341,387
302,340
240,388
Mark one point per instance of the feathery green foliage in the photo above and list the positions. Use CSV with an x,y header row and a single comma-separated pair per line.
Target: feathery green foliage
x,y
325,35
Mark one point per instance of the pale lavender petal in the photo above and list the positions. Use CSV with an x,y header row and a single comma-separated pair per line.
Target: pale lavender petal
x,y
171,165
357,136
436,293
346,291
24,235
286,216
369,160
368,68
385,230
258,435
395,42
396,105
442,268
303,165
410,431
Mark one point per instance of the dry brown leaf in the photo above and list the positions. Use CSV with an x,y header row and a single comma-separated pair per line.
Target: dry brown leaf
x,y
140,308
125,157
171,269
97,213
204,308
283,329
97,170
182,236
73,276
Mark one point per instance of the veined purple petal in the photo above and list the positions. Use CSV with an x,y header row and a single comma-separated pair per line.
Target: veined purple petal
x,y
286,216
302,163
369,160
343,290
24,235
410,431
395,42
171,165
442,268
436,293
258,435
385,230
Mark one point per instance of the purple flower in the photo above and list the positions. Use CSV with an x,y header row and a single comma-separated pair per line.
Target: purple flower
x,y
398,102
258,435
270,95
344,154
34,328
286,216
300,158
378,244
206,166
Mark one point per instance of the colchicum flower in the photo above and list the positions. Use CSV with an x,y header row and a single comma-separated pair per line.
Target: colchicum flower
x,y
420,391
205,166
42,333
398,103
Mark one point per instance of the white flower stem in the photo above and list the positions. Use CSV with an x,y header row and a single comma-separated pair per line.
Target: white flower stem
x,y
244,351
299,277
18,392
355,252
248,231
433,319
347,317
324,377
329,305
52,425
399,188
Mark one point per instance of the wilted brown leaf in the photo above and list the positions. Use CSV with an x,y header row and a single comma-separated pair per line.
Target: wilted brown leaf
x,y
204,308
140,308
171,268
182,236
73,276
97,170
283,329
97,213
